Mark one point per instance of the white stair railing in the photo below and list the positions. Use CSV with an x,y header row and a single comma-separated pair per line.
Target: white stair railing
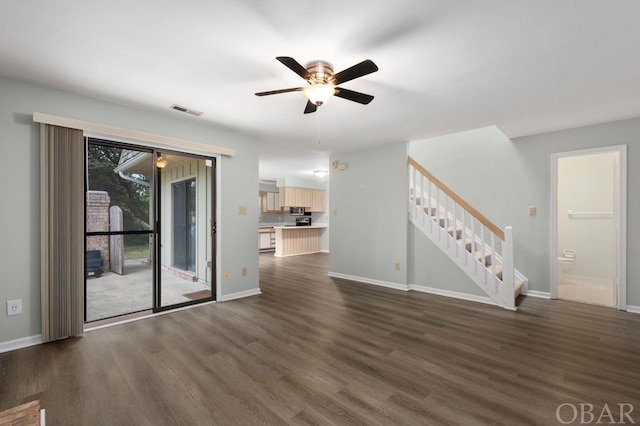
x,y
479,247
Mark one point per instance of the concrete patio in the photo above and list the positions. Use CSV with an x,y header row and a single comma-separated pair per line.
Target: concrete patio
x,y
112,294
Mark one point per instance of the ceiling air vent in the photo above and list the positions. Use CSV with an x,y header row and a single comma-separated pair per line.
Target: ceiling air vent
x,y
186,110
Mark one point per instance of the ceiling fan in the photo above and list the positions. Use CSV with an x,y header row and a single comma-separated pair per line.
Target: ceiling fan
x,y
323,83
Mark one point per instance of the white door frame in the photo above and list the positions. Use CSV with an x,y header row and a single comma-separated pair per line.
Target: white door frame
x,y
620,216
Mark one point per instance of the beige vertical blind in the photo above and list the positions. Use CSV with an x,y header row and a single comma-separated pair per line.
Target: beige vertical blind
x,y
62,223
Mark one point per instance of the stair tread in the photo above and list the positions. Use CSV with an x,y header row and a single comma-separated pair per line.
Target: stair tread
x,y
518,285
478,255
498,270
438,219
465,242
430,211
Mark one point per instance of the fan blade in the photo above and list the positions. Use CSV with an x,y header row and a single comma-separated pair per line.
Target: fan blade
x,y
294,66
275,92
311,107
361,98
363,68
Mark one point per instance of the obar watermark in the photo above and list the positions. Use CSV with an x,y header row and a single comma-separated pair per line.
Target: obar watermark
x,y
586,413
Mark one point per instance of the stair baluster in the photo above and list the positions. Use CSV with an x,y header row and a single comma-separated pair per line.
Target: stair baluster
x,y
434,203
422,204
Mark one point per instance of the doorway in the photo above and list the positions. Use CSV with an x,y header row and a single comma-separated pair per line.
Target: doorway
x,y
150,234
588,246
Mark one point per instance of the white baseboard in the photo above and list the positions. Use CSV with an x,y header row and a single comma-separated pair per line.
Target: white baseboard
x,y
240,295
633,309
414,287
453,294
297,254
540,294
23,342
37,339
387,284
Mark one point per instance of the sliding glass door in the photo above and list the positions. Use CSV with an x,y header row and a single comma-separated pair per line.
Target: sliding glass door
x,y
149,229
119,230
186,223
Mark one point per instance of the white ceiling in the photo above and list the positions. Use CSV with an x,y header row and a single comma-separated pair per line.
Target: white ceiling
x,y
527,66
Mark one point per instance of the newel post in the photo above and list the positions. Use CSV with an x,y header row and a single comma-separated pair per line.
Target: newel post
x,y
508,280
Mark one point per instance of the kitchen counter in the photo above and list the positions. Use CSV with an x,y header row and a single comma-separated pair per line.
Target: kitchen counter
x,y
320,225
294,240
288,224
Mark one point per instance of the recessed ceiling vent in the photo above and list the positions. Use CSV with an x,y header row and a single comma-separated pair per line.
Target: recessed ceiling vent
x,y
186,110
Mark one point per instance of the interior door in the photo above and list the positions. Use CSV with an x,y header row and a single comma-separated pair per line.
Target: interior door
x,y
589,226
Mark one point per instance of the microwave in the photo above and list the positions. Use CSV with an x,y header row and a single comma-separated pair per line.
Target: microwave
x,y
296,211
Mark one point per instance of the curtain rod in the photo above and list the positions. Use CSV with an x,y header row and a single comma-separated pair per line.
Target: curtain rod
x,y
156,141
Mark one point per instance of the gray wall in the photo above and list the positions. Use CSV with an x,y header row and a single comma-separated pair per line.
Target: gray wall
x,y
369,231
502,177
20,191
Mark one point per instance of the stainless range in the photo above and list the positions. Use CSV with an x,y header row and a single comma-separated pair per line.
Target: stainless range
x,y
303,221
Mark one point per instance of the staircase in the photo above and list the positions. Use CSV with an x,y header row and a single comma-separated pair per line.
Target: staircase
x,y
480,248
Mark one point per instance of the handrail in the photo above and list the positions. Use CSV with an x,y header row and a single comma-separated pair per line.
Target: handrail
x,y
475,213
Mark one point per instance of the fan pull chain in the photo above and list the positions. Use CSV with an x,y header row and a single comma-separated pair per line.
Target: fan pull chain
x,y
317,117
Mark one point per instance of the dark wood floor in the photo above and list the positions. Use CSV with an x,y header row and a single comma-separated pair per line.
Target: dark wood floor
x,y
316,350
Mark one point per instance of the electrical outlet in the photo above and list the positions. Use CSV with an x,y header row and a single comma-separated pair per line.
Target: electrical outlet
x,y
14,307
244,272
397,266
532,210
226,275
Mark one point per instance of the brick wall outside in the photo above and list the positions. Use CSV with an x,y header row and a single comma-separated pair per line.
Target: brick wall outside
x,y
98,220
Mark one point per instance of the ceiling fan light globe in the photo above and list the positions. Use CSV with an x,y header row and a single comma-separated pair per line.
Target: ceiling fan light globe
x,y
319,94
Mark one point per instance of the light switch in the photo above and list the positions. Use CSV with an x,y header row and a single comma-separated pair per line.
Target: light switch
x,y
532,210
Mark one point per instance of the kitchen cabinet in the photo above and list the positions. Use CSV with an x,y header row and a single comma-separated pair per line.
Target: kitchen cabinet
x,y
270,202
291,196
313,200
266,238
318,200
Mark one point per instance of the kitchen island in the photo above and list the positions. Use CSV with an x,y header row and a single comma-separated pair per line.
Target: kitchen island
x,y
294,240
